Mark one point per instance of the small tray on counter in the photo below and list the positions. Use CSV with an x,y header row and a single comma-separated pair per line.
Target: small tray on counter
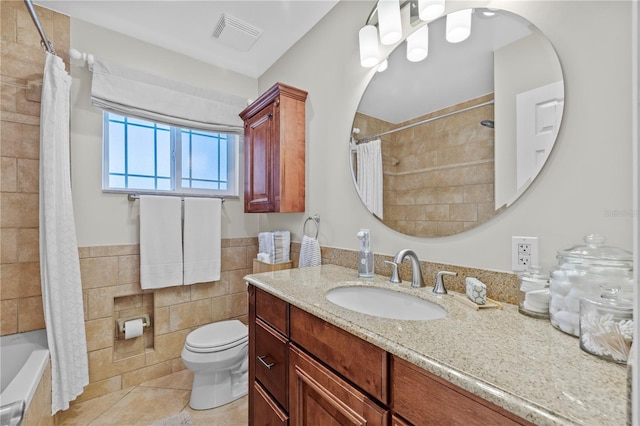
x,y
462,298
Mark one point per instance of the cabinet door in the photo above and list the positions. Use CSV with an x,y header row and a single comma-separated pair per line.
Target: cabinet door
x,y
260,149
320,397
266,411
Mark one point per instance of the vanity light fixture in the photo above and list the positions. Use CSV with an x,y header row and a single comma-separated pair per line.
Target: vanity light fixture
x,y
428,10
389,21
369,52
458,26
418,44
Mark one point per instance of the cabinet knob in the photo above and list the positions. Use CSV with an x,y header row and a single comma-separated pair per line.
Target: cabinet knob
x,y
262,358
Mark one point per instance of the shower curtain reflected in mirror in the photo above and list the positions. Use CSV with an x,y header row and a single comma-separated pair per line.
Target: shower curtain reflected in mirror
x,y
59,264
369,175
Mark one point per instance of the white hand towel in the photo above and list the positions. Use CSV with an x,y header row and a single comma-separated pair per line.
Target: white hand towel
x,y
309,252
202,239
160,241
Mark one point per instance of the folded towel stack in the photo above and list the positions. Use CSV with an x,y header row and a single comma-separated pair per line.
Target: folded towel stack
x,y
274,247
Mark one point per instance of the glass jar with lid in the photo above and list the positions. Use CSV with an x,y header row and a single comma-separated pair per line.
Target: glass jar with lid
x,y
587,271
534,295
606,327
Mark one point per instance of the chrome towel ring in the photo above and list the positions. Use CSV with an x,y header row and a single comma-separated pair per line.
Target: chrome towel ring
x,y
315,219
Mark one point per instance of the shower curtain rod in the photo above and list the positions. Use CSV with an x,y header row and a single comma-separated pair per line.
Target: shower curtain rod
x,y
45,41
418,123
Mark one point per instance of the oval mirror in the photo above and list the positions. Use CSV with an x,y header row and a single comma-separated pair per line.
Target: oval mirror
x,y
445,144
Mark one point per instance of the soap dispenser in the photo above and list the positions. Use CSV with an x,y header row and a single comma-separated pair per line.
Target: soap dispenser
x,y
365,255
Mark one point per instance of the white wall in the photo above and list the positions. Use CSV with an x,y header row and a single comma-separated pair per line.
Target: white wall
x,y
586,186
110,219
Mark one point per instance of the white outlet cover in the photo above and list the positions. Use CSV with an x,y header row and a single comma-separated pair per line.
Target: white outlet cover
x,y
534,259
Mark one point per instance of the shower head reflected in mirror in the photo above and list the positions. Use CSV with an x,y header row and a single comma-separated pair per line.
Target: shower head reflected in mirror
x,y
487,123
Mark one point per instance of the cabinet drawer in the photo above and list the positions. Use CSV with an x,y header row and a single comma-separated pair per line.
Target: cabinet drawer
x,y
320,397
359,361
444,403
273,311
271,362
265,411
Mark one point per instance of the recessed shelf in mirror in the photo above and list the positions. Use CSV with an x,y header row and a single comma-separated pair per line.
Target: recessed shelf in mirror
x,y
463,133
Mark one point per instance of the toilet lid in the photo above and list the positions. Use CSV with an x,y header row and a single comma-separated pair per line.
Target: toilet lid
x,y
218,335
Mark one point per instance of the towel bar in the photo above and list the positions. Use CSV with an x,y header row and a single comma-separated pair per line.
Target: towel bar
x,y
316,220
133,197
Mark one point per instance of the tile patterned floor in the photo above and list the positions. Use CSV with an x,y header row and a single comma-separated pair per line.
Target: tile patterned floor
x,y
149,402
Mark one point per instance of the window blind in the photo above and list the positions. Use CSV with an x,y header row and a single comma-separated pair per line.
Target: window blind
x,y
131,92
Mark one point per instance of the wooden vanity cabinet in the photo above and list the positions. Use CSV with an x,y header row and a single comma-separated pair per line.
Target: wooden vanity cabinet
x,y
358,361
321,397
423,398
315,373
268,359
274,137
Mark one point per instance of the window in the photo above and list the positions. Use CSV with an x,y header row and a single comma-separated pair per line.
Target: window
x,y
153,158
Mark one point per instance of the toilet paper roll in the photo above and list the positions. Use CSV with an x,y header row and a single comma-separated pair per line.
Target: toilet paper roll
x,y
133,328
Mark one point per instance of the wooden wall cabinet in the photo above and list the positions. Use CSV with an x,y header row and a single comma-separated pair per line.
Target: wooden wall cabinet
x,y
305,371
274,137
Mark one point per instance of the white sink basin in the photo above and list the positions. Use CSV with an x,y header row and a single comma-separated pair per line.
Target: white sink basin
x,y
381,302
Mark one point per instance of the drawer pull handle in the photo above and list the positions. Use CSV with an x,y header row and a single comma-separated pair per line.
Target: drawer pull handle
x,y
261,358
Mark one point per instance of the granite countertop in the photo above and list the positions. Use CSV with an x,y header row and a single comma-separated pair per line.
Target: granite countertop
x,y
519,363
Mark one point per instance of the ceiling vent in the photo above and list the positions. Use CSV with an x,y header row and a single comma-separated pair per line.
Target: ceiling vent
x,y
236,33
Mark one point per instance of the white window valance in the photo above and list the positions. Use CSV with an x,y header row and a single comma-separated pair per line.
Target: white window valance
x,y
130,92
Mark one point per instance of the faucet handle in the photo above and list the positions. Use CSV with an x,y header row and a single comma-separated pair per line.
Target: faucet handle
x,y
395,278
439,287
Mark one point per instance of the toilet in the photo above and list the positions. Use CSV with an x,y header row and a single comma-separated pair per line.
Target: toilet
x,y
217,354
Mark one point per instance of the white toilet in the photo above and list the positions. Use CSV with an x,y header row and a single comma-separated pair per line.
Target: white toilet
x,y
217,354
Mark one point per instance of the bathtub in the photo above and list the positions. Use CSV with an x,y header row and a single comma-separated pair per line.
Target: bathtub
x,y
23,359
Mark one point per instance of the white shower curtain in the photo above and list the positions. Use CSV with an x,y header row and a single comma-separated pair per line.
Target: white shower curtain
x,y
59,263
369,177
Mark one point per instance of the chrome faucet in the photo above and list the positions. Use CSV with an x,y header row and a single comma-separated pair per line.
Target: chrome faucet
x,y
439,287
416,273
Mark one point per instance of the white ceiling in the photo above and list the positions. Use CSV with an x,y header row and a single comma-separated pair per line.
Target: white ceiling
x,y
187,26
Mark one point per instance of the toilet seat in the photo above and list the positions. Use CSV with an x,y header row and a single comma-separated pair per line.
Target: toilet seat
x,y
217,337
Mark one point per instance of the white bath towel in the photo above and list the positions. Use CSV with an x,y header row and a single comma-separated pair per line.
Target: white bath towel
x,y
309,252
160,241
202,239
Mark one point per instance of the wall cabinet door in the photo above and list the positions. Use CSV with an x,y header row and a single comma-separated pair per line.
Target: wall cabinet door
x,y
274,133
259,189
320,397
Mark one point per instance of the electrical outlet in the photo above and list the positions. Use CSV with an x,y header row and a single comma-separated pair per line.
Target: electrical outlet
x,y
524,253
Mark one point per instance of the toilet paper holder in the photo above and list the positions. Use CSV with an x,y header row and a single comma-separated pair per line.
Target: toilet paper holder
x,y
146,322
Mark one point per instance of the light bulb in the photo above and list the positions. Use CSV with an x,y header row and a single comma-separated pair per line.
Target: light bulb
x,y
389,21
458,26
418,44
428,10
383,66
368,36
